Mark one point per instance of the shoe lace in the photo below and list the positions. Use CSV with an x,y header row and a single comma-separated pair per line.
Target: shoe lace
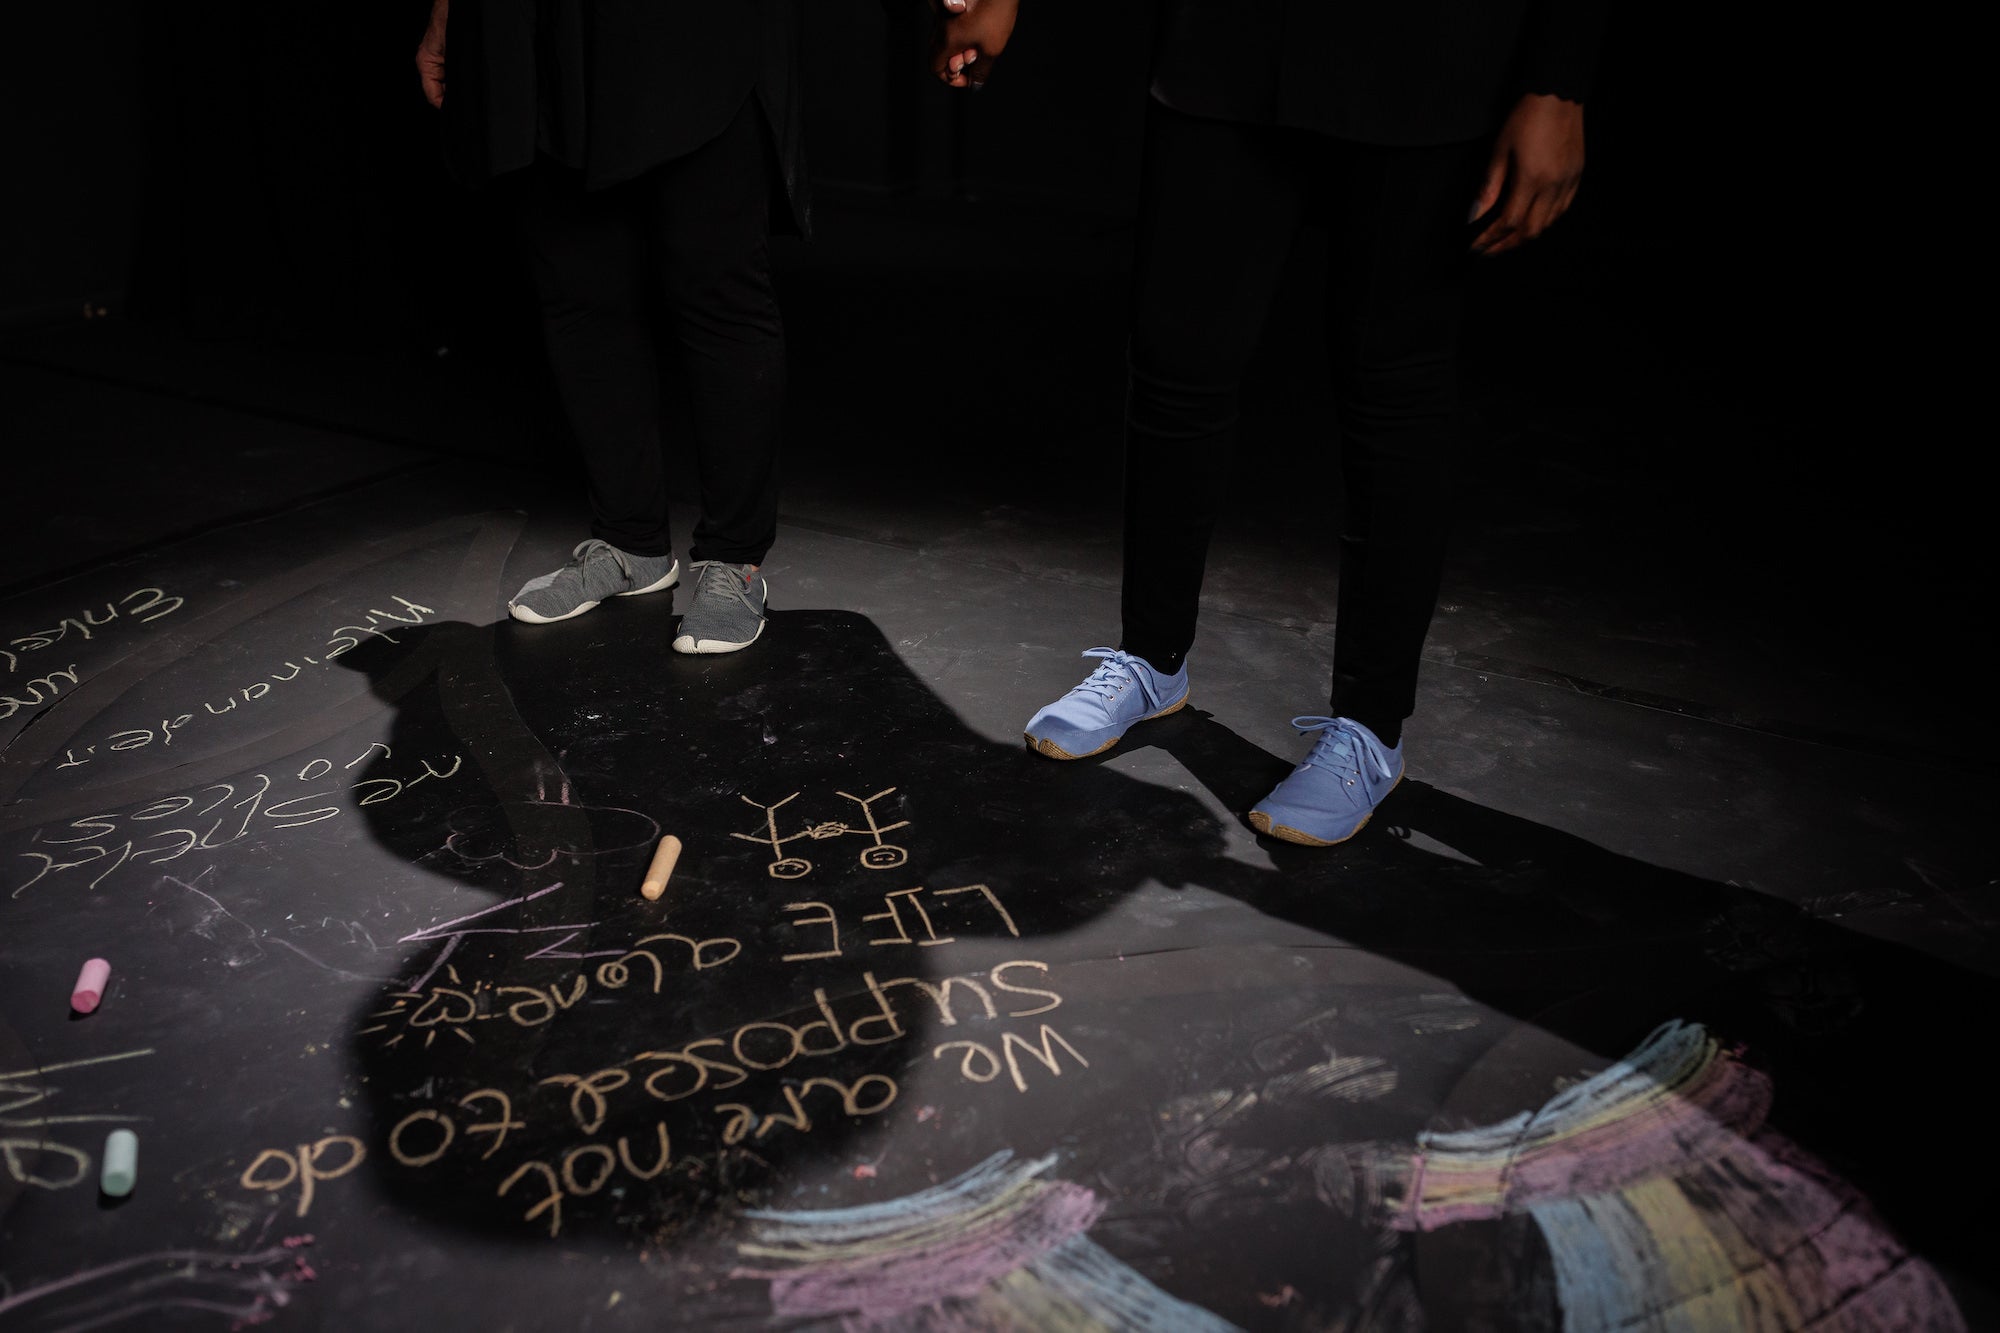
x,y
598,549
726,584
1118,671
1343,746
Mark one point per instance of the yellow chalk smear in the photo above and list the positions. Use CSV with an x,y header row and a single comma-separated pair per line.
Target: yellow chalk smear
x,y
662,868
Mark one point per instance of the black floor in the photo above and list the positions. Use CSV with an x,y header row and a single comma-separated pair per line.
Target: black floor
x,y
1654,998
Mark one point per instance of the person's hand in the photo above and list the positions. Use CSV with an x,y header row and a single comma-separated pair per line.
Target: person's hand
x,y
971,36
1532,177
430,55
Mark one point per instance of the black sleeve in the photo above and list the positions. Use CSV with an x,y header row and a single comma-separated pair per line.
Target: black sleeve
x,y
1560,46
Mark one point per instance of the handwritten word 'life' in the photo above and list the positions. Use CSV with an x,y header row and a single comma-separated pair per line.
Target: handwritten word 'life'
x,y
151,604
894,907
97,846
341,641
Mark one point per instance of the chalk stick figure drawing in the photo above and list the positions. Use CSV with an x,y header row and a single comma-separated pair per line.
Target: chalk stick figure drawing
x,y
782,867
881,856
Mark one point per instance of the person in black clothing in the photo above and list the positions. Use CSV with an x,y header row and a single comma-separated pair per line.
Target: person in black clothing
x,y
645,151
1426,134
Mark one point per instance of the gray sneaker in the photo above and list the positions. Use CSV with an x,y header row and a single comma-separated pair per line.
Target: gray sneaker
x,y
596,570
727,612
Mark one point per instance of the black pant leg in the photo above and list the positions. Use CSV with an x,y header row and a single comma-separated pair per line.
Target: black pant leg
x,y
1398,250
586,258
1219,206
708,215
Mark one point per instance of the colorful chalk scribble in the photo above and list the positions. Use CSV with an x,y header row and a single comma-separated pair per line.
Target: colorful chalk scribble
x,y
241,1287
999,1247
1666,1203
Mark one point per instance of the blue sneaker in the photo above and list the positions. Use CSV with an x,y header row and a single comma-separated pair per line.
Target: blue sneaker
x,y
1091,718
1330,795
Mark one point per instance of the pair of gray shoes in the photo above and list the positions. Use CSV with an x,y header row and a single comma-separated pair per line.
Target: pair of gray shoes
x,y
727,612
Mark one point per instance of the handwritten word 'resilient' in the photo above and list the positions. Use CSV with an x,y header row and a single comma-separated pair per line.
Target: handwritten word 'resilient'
x,y
139,606
90,850
343,640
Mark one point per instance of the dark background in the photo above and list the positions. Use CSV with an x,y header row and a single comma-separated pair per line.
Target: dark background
x,y
270,169
1748,282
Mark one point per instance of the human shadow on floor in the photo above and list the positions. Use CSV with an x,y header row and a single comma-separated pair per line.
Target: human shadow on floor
x,y
862,878
892,947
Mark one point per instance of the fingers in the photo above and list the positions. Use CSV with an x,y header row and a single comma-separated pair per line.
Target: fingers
x,y
430,58
950,65
955,68
1489,188
430,76
1533,176
1517,224
1526,216
1531,204
971,36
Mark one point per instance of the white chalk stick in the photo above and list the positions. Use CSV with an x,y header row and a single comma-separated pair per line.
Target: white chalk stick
x,y
662,869
90,983
121,1163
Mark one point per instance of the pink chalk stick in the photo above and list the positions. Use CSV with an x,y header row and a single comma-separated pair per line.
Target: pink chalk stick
x,y
90,985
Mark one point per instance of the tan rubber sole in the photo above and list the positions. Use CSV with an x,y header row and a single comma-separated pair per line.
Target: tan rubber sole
x,y
1285,833
1054,751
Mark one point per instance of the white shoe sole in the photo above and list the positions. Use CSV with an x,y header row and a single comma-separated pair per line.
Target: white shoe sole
x,y
533,617
666,580
687,643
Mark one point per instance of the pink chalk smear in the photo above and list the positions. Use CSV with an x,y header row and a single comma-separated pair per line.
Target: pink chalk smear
x,y
90,985
946,1257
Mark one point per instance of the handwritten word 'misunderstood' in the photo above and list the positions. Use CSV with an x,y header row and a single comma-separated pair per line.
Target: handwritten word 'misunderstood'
x,y
343,639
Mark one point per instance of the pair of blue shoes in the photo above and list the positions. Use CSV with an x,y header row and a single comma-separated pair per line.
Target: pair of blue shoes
x,y
1327,798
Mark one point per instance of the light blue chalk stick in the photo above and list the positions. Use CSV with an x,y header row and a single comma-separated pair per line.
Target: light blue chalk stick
x,y
121,1163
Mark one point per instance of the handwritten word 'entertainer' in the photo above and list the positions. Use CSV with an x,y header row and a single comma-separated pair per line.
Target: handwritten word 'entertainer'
x,y
344,639
92,849
140,606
